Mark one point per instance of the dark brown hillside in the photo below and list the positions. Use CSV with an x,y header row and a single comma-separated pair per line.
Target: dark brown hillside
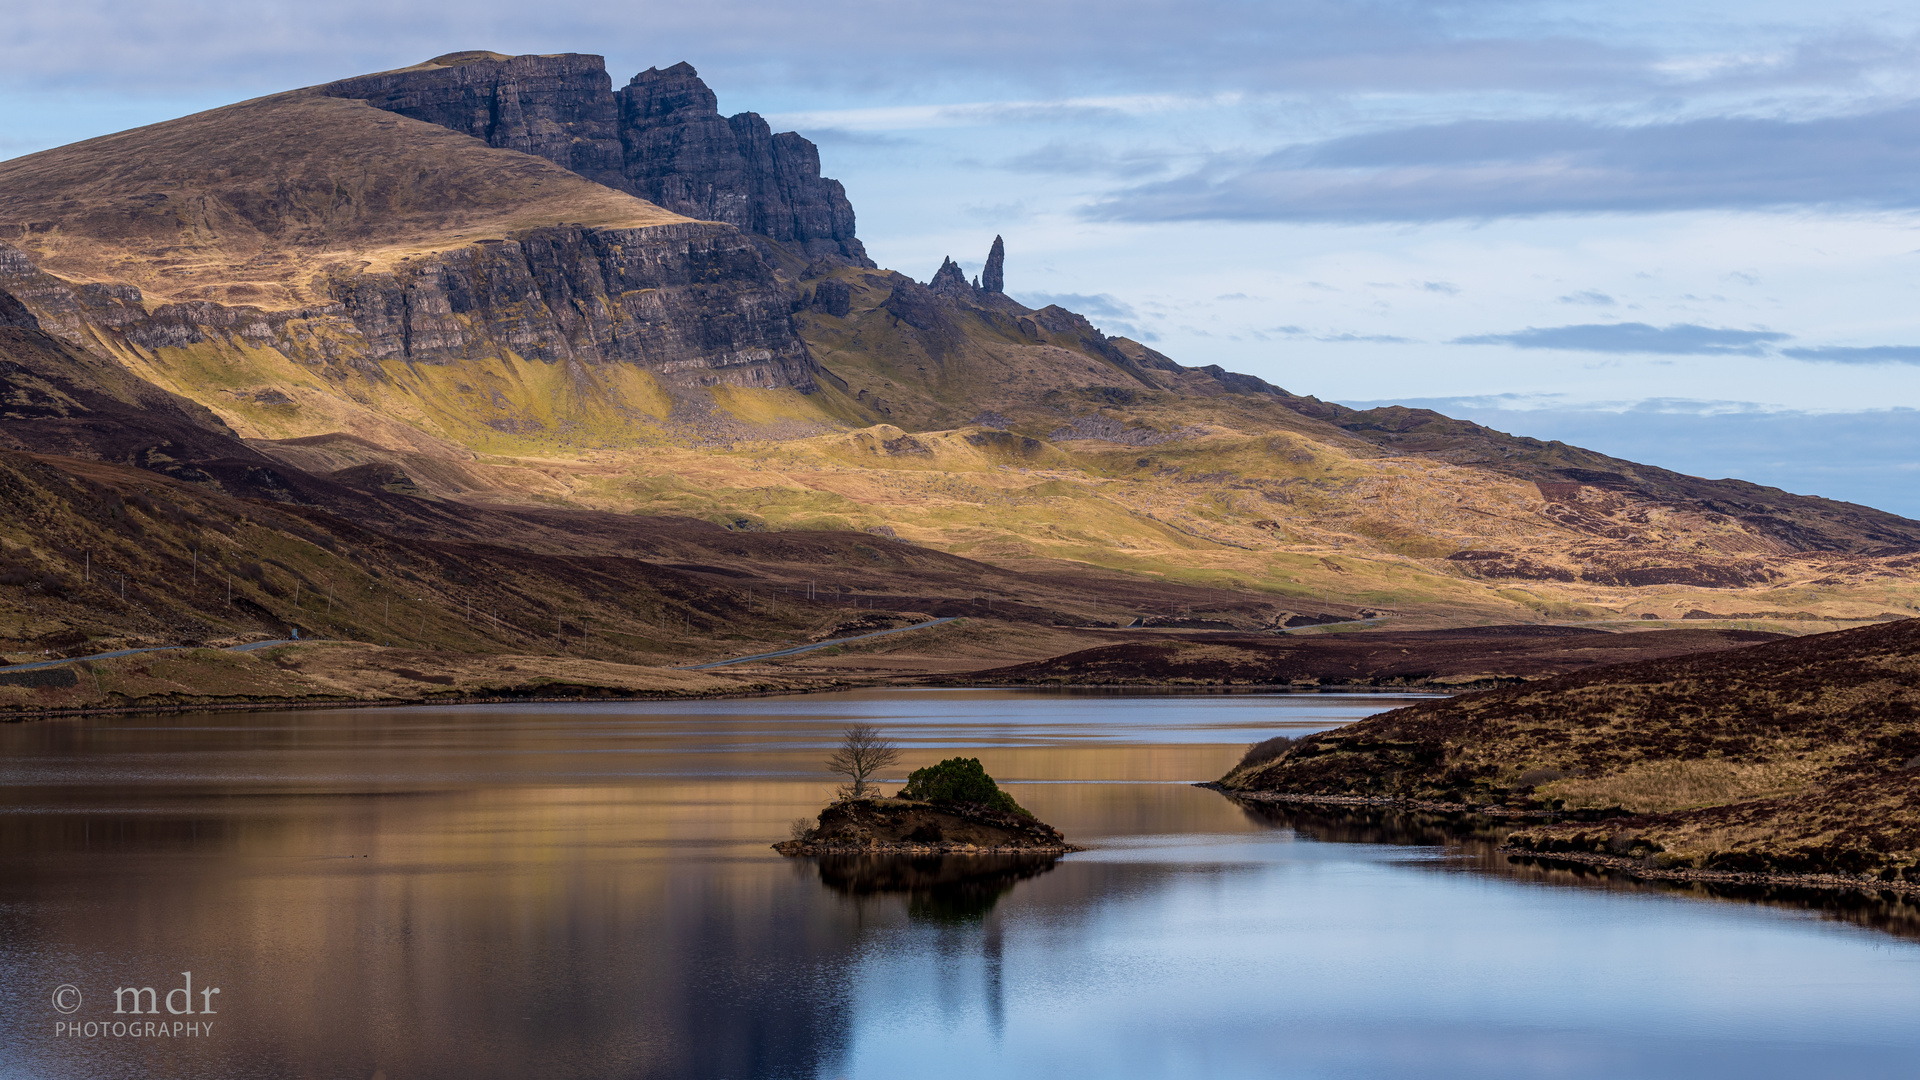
x,y
56,399
1796,755
1461,657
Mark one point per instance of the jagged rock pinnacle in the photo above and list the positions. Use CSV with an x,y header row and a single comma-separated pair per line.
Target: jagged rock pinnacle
x,y
950,278
993,278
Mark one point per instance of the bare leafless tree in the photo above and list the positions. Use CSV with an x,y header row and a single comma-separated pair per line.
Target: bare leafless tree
x,y
862,752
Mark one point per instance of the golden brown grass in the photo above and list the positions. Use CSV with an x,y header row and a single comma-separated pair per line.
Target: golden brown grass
x,y
1656,787
246,204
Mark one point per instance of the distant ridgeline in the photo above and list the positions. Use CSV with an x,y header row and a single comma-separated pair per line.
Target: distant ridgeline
x,y
661,137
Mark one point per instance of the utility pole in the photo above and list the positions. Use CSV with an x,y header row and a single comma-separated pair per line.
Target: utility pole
x,y
329,598
229,590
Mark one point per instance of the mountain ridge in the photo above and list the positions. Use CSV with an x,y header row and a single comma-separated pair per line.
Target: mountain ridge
x,y
474,324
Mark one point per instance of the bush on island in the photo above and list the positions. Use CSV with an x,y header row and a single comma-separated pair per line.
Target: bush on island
x,y
959,780
1262,752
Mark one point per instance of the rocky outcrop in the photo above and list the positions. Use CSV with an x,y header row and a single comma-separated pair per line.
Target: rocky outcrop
x,y
911,826
994,279
557,107
14,313
693,303
832,297
950,280
661,138
681,154
986,291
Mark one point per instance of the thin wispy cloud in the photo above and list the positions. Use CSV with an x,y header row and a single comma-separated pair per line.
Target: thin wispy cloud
x,y
1087,159
1680,339
1375,339
1073,110
1871,354
1525,168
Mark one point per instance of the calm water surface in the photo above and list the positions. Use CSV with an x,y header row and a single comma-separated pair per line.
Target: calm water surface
x,y
587,891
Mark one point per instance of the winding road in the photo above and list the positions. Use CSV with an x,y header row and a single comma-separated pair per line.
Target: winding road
x,y
248,647
798,649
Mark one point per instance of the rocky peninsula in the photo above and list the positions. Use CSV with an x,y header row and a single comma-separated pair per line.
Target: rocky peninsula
x,y
1792,762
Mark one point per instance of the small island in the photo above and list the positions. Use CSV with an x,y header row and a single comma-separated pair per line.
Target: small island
x,y
951,808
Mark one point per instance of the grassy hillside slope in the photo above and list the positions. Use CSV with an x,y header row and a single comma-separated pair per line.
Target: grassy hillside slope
x,y
251,203
1795,756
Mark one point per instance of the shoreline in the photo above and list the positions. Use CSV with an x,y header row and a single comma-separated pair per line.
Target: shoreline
x,y
1394,802
20,717
1637,869
1634,868
912,682
804,849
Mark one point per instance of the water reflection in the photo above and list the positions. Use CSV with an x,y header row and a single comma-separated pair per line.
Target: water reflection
x,y
942,888
588,891
1474,840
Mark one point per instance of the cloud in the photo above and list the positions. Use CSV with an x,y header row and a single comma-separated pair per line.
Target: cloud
x,y
1872,354
1441,287
1521,168
1086,159
1111,314
833,136
1588,296
854,44
1377,339
997,212
1680,339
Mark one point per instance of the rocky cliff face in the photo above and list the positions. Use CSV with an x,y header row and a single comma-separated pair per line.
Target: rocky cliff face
x,y
661,138
694,304
557,107
682,155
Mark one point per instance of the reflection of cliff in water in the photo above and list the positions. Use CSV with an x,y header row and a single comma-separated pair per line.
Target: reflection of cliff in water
x,y
941,888
1473,840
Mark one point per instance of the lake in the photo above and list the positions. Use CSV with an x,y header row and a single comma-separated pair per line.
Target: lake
x,y
587,891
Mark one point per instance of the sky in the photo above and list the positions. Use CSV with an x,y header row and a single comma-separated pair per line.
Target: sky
x,y
1683,233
